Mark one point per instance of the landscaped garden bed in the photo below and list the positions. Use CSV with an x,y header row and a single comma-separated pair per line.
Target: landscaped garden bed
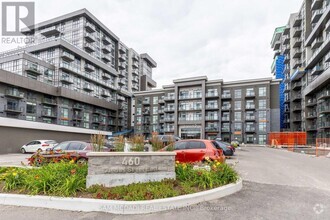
x,y
68,179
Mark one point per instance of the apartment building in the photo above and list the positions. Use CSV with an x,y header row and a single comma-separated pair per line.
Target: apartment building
x,y
75,72
200,108
305,44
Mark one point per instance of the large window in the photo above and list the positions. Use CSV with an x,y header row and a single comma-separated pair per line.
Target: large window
x,y
262,139
155,110
238,93
262,127
262,104
155,100
31,108
238,126
238,116
238,105
262,91
262,115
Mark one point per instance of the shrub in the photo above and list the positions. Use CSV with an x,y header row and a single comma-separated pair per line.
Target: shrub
x,y
120,143
137,143
156,143
97,141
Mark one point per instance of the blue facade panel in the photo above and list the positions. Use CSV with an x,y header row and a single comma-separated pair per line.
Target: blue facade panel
x,y
279,74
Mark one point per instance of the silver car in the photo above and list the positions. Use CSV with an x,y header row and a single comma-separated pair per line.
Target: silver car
x,y
37,145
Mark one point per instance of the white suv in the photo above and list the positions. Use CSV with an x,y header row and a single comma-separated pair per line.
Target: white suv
x,y
37,145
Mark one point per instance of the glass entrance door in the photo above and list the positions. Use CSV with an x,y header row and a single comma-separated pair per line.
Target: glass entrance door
x,y
191,133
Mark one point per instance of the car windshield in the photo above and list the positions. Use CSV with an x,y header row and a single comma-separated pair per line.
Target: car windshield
x,y
61,146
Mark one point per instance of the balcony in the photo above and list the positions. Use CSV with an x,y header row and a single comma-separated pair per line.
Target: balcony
x,y
168,129
50,31
136,79
106,58
135,57
211,118
90,37
122,66
286,121
105,76
286,49
161,111
106,39
96,121
13,109
317,70
193,108
297,53
297,31
89,47
296,108
147,112
297,64
296,119
296,85
324,109
122,49
146,102
49,114
212,94
169,98
297,21
287,88
250,107
250,118
122,115
286,59
287,100
324,125
225,119
105,94
324,95
182,97
135,64
211,107
286,40
311,128
135,71
89,27
184,119
225,108
250,95
311,115
33,69
136,87
14,93
225,130
67,56
122,57
106,49
316,4
317,43
296,97
169,119
211,129
89,67
66,79
49,101
87,87
297,41
287,110
78,106
169,109
311,102
316,15
226,96
250,130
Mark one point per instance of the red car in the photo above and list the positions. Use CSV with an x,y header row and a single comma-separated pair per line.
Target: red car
x,y
197,150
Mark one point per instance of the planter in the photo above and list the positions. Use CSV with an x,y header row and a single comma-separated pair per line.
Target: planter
x,y
123,168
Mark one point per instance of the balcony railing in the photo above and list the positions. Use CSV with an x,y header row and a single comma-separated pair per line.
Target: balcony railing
x,y
250,107
190,96
225,119
226,107
212,94
250,118
13,109
166,98
169,109
225,129
211,129
190,119
168,129
250,129
250,94
15,93
226,96
211,106
212,117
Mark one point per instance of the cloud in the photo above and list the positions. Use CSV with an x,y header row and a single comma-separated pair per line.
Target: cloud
x,y
217,38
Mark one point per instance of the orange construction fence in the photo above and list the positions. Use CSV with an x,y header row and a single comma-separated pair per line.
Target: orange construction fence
x,y
287,138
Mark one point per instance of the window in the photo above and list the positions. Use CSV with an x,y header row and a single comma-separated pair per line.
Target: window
x,y
262,115
238,126
74,146
30,118
138,111
250,92
262,91
262,127
238,116
238,93
155,110
180,145
31,108
61,146
86,124
155,100
196,145
64,113
86,116
262,104
238,105
262,139
64,122
155,119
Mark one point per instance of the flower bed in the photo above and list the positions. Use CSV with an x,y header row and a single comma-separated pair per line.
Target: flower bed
x,y
69,180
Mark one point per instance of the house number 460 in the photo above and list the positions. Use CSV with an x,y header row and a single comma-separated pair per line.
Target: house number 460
x,y
131,161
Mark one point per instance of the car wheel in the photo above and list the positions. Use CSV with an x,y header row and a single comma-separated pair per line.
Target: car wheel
x,y
82,161
23,151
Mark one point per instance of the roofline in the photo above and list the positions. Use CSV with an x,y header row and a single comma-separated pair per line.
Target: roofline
x,y
149,59
249,81
80,12
190,79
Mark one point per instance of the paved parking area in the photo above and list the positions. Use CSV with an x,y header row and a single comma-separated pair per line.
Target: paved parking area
x,y
14,159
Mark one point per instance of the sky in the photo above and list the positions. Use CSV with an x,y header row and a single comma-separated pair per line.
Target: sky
x,y
222,39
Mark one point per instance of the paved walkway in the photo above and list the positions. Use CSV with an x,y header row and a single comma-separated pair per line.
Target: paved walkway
x,y
277,185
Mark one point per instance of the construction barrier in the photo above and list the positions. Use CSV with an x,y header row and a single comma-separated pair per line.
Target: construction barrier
x,y
287,139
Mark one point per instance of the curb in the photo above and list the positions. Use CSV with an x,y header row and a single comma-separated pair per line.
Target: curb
x,y
120,207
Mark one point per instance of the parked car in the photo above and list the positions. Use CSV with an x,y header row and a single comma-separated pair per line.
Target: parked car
x,y
230,145
77,150
166,139
37,145
227,149
196,150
